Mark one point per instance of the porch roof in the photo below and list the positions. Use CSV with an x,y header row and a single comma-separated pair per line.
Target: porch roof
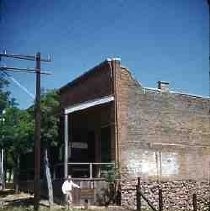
x,y
88,104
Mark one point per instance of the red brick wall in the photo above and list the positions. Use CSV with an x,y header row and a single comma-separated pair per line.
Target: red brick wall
x,y
164,140
161,134
96,84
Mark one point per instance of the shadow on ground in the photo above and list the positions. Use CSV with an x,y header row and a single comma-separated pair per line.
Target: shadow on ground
x,y
24,202
5,193
9,199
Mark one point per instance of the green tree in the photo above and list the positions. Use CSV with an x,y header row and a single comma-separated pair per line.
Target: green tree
x,y
50,118
17,127
4,94
49,131
5,102
17,136
16,130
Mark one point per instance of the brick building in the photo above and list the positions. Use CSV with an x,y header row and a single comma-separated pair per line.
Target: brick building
x,y
156,134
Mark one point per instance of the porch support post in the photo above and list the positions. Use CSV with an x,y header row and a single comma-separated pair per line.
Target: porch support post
x,y
66,140
91,170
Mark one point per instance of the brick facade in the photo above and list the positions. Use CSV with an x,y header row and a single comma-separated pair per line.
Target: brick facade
x,y
95,83
157,126
162,137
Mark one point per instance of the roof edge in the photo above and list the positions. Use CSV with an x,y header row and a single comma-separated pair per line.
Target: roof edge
x,y
85,74
178,93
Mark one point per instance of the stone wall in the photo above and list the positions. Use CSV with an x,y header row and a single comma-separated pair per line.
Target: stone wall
x,y
177,195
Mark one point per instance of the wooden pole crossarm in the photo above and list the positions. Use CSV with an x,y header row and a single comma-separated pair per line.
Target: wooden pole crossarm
x,y
23,57
25,70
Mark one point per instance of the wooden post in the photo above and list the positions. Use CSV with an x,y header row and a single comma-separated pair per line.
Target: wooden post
x,y
118,200
91,170
160,199
49,180
37,133
138,195
2,169
195,202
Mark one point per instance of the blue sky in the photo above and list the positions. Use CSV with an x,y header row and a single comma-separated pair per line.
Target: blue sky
x,y
157,40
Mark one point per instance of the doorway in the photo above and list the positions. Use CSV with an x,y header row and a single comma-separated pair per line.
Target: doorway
x,y
106,144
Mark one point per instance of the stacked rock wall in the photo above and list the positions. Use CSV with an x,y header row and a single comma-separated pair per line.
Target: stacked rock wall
x,y
177,195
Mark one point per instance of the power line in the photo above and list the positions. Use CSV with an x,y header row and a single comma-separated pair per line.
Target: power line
x,y
26,70
24,57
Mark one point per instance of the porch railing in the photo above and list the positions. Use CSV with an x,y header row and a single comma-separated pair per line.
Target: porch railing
x,y
87,170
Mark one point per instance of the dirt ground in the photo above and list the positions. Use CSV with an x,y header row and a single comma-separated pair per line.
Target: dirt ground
x,y
23,201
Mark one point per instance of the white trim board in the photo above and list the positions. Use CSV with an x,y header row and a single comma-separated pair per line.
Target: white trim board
x,y
88,104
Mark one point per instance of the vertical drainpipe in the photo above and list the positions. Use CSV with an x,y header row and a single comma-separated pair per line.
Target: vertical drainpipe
x,y
115,85
66,139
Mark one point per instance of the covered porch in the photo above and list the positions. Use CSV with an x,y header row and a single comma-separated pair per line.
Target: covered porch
x,y
89,137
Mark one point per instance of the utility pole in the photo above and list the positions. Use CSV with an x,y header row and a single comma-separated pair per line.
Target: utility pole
x,y
38,72
208,1
37,133
209,46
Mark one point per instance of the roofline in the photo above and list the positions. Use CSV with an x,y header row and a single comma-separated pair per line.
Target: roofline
x,y
87,73
107,61
84,75
176,92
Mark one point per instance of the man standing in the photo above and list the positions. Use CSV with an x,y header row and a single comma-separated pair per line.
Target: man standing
x,y
67,188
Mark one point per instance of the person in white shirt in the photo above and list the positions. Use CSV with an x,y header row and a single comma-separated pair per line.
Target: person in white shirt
x,y
67,188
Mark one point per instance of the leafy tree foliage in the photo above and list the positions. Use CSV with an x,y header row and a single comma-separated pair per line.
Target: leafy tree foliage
x,y
50,118
49,131
4,95
22,126
16,131
17,126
